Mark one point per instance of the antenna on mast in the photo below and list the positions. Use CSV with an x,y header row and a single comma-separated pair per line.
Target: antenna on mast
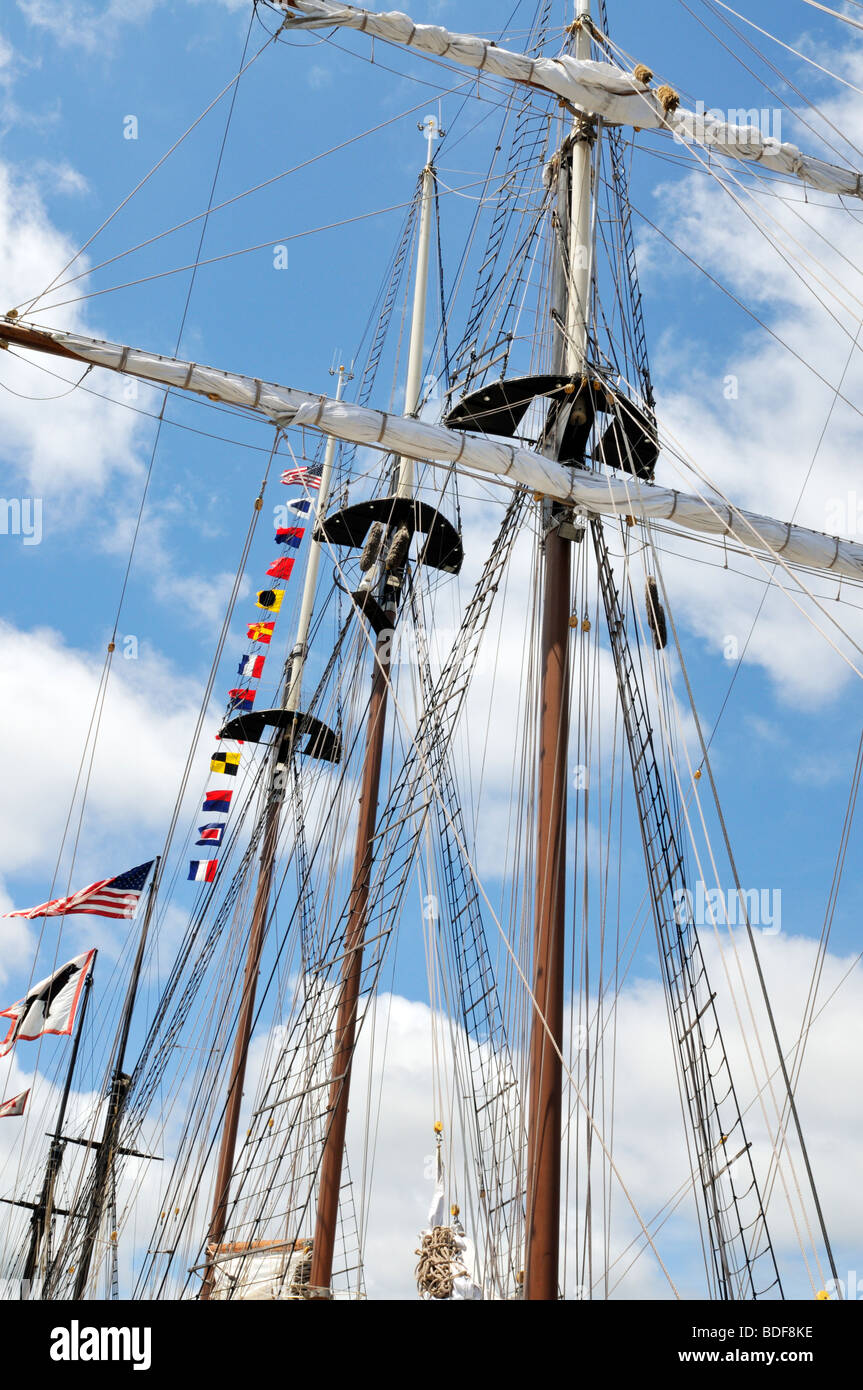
x,y
430,126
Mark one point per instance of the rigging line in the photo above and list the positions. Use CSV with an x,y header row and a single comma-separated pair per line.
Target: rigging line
x,y
774,240
781,75
751,937
778,562
766,179
500,89
149,414
730,569
733,297
255,188
667,738
536,1009
95,718
797,115
243,251
27,305
796,51
22,396
179,339
799,1046
508,948
689,467
669,751
734,949
837,14
794,513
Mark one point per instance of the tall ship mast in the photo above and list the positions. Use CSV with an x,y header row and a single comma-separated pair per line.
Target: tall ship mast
x,y
442,978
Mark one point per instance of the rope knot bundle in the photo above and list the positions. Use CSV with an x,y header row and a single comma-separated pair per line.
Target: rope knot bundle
x,y
669,98
439,1263
642,73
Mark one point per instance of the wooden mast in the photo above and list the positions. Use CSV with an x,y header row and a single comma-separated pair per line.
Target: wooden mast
x,y
329,1188
277,785
571,291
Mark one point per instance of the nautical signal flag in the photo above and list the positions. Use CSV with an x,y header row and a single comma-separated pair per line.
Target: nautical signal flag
x,y
50,1006
270,598
290,535
261,632
241,699
301,505
218,801
202,870
15,1106
225,762
210,834
107,897
281,569
251,666
301,475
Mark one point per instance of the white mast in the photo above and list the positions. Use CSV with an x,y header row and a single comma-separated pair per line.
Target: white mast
x,y
413,384
580,254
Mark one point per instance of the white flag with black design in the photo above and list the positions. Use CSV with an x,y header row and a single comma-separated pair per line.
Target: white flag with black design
x,y
50,1006
14,1106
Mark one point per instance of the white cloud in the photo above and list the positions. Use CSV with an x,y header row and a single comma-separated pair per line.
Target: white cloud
x,y
86,26
146,724
63,177
758,440
81,440
404,1081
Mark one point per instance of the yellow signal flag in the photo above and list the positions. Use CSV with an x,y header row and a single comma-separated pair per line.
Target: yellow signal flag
x,y
270,599
225,762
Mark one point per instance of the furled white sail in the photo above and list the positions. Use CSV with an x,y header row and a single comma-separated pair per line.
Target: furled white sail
x,y
598,89
261,1270
598,493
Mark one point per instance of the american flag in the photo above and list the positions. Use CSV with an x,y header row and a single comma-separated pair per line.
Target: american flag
x,y
109,897
301,475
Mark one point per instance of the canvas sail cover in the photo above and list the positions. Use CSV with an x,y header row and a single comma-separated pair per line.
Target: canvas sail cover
x,y
596,88
260,1271
600,494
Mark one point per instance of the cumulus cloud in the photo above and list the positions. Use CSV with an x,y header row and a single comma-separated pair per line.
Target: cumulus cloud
x,y
79,443
146,723
769,432
404,1080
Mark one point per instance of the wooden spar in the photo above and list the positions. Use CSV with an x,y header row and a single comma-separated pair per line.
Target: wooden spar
x,y
41,1217
352,965
245,1020
571,295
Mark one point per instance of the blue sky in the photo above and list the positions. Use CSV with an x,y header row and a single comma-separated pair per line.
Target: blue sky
x,y
69,80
